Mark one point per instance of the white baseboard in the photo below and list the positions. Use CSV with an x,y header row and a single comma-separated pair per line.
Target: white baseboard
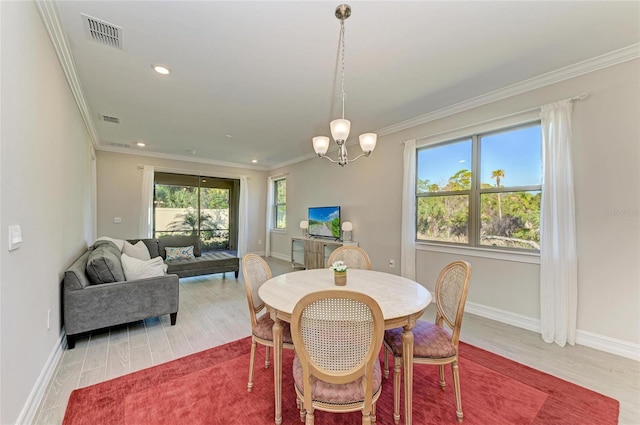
x,y
610,345
30,408
588,339
282,257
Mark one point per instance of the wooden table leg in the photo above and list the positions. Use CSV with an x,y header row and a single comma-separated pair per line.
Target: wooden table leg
x,y
407,363
277,365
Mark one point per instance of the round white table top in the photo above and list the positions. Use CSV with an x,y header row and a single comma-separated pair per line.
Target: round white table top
x,y
397,296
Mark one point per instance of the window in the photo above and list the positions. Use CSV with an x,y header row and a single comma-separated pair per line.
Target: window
x,y
280,204
483,190
197,205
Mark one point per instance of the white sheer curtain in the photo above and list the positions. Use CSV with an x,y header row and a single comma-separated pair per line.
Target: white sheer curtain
x,y
243,216
408,253
146,203
558,256
269,215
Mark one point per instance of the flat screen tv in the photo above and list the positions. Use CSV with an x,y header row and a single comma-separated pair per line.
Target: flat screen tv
x,y
324,222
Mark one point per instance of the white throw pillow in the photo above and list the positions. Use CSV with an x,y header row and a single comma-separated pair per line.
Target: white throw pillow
x,y
119,242
139,250
139,269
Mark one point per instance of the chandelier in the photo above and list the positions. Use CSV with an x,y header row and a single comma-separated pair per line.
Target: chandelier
x,y
340,128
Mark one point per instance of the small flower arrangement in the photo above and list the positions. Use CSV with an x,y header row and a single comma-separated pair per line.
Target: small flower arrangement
x,y
339,267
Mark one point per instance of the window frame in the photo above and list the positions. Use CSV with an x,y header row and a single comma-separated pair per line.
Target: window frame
x,y
476,191
276,205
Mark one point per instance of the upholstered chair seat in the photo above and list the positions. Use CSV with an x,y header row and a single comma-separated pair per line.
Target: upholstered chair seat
x,y
430,341
264,330
350,393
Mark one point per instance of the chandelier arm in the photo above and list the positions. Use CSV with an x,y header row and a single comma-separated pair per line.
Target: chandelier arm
x,y
328,158
349,161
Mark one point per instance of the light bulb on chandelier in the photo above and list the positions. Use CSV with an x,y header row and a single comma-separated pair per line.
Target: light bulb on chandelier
x,y
341,127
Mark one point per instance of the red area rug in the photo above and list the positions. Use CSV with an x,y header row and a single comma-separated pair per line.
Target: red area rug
x,y
210,388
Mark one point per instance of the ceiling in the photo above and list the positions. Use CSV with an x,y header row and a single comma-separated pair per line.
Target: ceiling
x,y
257,80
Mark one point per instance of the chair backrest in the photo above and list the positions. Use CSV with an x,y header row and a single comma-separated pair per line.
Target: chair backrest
x,y
451,295
255,272
353,256
337,335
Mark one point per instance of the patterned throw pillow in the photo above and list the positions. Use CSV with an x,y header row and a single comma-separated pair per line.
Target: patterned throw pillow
x,y
180,253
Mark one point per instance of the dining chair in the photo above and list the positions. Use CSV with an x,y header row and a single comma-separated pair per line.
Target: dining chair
x,y
256,271
353,256
434,343
337,337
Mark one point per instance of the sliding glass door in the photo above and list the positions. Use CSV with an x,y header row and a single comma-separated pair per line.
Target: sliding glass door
x,y
197,205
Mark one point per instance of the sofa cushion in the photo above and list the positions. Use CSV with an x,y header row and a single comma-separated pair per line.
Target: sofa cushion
x,y
104,264
139,269
179,253
139,250
179,241
118,242
152,246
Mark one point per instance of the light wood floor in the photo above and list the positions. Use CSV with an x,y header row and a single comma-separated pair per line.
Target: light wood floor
x,y
213,310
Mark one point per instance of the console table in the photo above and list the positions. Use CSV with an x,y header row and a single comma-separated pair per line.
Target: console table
x,y
313,253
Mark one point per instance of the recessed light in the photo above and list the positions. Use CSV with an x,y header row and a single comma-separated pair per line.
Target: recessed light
x,y
229,135
161,69
254,161
141,144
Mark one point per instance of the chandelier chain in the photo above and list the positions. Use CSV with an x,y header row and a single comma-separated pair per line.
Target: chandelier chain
x,y
342,42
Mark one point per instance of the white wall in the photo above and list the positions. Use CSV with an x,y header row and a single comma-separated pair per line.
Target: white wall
x,y
45,187
606,154
120,185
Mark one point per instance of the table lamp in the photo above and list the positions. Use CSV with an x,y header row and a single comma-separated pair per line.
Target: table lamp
x,y
347,227
304,225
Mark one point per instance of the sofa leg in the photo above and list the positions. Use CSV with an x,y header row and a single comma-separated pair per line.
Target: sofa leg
x,y
236,273
173,317
71,342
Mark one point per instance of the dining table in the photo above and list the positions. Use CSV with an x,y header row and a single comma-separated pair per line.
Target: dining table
x,y
401,300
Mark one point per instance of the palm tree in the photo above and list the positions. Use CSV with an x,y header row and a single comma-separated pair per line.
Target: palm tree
x,y
498,174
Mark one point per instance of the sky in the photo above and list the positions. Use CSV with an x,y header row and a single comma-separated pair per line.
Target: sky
x,y
516,152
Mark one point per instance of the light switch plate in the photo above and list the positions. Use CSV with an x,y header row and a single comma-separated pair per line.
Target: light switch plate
x,y
15,237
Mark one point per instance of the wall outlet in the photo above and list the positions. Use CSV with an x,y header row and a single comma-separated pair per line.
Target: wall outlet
x,y
259,241
49,319
392,263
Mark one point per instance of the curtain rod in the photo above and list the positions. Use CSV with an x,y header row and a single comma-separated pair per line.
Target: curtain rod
x,y
581,96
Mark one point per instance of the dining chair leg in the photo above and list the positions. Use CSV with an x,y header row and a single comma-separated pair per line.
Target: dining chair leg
x,y
386,361
251,359
397,366
441,373
300,404
373,413
309,418
456,387
267,361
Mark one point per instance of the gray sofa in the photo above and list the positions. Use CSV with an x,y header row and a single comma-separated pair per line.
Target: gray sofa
x,y
90,304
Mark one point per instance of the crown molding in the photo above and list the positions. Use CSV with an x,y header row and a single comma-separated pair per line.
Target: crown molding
x,y
604,61
176,157
49,15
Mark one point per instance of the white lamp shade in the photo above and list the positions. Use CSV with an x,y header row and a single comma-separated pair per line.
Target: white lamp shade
x,y
320,144
368,142
347,226
340,129
304,224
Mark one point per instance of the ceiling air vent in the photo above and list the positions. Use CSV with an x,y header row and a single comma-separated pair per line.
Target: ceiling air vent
x,y
107,118
119,145
103,32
